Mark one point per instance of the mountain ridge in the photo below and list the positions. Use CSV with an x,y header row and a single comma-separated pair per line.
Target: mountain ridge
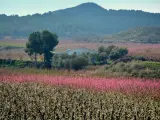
x,y
86,19
83,4
138,35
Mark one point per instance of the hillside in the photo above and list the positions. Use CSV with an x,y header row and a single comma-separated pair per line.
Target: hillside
x,y
138,35
88,19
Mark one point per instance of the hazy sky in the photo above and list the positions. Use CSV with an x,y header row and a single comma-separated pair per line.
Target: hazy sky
x,y
24,7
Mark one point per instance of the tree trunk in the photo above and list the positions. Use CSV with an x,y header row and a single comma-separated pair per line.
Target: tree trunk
x,y
35,57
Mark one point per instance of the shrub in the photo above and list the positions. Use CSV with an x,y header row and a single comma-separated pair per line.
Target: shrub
x,y
67,64
101,49
124,59
20,64
79,63
70,61
64,56
109,49
118,53
140,58
94,58
102,57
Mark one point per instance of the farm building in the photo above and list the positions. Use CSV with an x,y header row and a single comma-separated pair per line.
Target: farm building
x,y
77,51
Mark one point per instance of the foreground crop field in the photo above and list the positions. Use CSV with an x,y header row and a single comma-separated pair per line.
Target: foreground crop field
x,y
69,97
37,101
43,102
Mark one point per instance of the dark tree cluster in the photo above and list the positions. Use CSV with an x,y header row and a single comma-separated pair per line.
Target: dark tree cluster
x,y
108,53
42,43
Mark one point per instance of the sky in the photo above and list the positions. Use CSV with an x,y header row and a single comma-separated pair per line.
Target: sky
x,y
25,7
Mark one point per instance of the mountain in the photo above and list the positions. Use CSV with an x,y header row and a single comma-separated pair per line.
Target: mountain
x,y
88,19
138,35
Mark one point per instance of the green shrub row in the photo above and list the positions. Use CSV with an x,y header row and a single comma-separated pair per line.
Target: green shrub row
x,y
143,69
19,63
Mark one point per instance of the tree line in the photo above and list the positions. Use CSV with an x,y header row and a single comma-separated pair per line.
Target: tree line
x,y
44,42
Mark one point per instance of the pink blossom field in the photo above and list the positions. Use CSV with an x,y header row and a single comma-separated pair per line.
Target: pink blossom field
x,y
123,85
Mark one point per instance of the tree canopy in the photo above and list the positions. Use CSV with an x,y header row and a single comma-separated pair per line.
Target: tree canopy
x,y
50,41
34,44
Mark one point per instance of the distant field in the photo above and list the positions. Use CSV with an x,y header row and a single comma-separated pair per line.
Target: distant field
x,y
13,42
147,50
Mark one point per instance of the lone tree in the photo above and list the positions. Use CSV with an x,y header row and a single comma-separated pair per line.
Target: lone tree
x,y
34,45
50,40
42,43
